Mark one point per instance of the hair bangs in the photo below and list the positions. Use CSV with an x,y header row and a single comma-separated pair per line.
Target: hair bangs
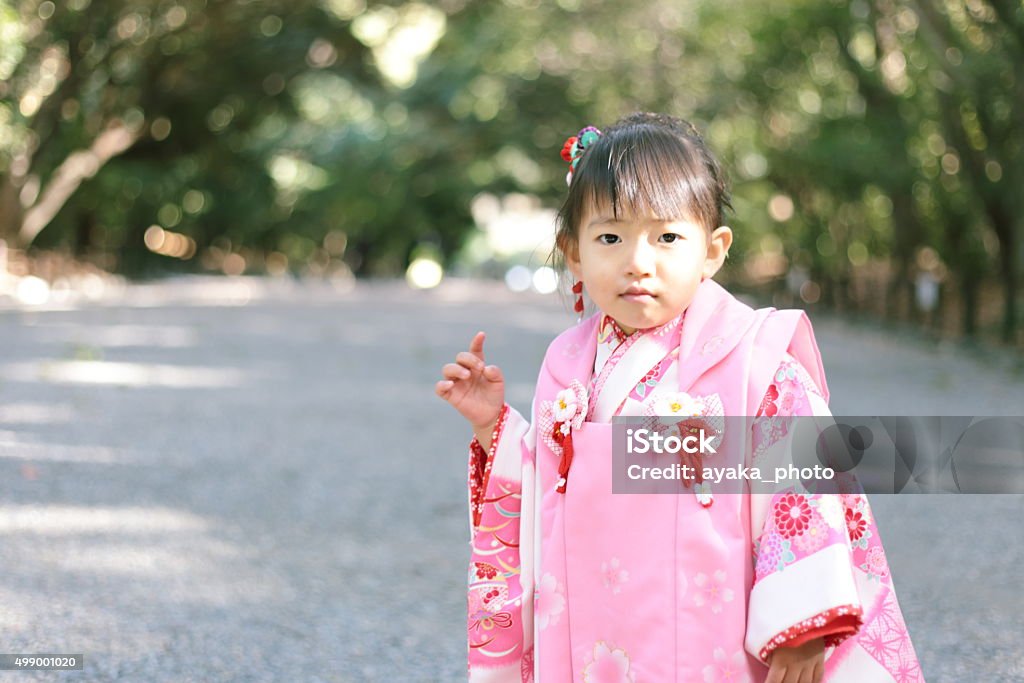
x,y
649,165
650,175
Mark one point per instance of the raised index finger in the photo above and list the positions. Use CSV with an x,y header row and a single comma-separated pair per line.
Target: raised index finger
x,y
476,347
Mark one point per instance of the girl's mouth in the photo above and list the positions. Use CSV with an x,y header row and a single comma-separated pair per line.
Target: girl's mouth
x,y
637,296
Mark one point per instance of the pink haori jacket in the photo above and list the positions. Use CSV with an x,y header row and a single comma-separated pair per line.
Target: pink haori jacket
x,y
570,582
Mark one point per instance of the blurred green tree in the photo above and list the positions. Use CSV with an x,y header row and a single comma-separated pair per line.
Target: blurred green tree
x,y
120,115
873,143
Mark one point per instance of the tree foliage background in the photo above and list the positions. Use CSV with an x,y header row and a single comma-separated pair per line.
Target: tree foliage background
x,y
872,143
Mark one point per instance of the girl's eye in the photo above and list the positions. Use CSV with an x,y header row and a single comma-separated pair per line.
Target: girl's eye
x,y
608,238
670,237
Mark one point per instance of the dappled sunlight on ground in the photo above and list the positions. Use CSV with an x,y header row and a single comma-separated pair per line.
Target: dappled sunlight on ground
x,y
121,374
58,520
25,413
116,336
20,446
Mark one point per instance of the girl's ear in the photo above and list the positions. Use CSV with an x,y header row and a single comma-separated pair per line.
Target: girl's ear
x,y
718,249
571,253
574,267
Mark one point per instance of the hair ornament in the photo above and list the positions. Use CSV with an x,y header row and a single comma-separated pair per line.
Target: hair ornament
x,y
574,147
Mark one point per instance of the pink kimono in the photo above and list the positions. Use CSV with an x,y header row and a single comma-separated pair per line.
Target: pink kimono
x,y
569,582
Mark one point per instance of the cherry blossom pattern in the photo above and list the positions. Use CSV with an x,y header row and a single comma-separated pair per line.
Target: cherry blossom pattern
x,y
712,345
767,432
816,622
794,383
712,591
768,407
852,500
727,669
608,664
669,327
557,420
613,575
549,601
480,463
785,398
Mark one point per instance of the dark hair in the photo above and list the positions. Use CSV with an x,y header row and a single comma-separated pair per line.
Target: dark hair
x,y
648,164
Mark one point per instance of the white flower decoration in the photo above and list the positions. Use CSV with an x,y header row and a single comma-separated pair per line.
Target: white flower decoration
x,y
832,512
674,406
703,491
570,405
559,418
565,406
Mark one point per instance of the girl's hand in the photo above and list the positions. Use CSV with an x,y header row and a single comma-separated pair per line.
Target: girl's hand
x,y
474,389
801,664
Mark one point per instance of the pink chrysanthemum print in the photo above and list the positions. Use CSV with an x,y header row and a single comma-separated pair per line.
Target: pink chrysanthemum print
x,y
792,515
526,666
856,524
813,537
876,561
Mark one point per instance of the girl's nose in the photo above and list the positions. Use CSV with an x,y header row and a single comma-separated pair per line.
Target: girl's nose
x,y
641,261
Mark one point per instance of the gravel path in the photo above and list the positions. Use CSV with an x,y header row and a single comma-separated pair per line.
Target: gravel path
x,y
247,480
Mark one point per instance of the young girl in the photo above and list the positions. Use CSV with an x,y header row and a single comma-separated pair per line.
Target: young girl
x,y
570,582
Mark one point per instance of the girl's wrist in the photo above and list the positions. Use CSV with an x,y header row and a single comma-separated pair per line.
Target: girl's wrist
x,y
489,425
484,433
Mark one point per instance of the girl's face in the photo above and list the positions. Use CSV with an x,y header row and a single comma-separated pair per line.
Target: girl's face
x,y
643,271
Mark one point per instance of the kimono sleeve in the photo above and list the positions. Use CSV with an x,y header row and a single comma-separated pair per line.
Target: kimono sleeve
x,y
804,585
500,591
